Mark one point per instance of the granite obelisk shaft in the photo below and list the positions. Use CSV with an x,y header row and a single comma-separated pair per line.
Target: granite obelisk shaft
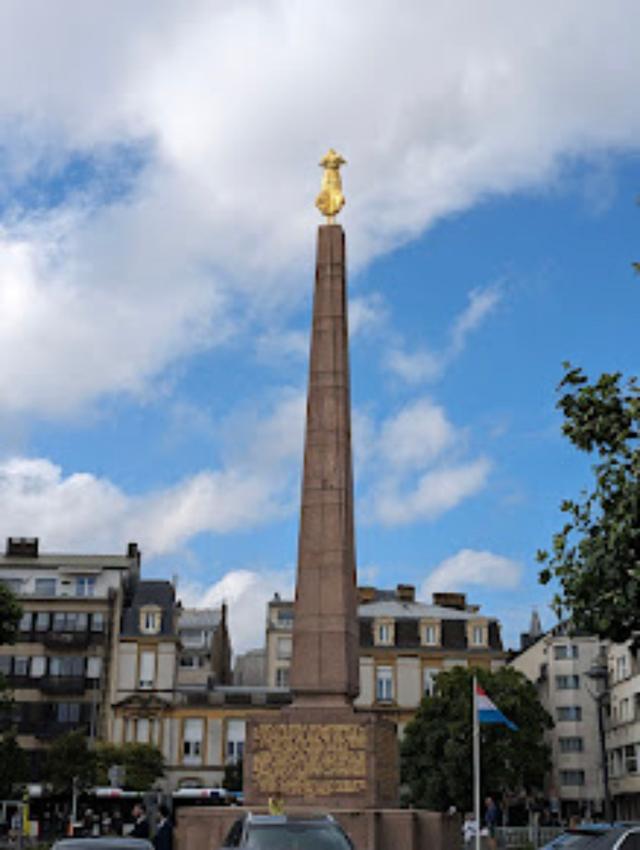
x,y
324,668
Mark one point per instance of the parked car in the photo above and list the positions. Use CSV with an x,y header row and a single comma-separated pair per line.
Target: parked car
x,y
286,832
106,843
598,836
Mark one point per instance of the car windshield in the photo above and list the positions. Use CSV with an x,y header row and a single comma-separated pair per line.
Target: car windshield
x,y
297,836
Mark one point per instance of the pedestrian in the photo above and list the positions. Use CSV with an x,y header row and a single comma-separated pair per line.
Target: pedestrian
x,y
164,836
141,825
491,816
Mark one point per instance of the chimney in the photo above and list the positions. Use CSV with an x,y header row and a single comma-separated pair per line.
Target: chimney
x,y
22,547
406,593
366,594
458,601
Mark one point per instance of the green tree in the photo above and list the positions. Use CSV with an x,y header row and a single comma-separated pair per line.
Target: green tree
x,y
70,757
13,761
10,613
596,555
143,764
437,748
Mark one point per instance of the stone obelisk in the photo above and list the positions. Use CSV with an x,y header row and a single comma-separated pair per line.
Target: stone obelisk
x,y
320,750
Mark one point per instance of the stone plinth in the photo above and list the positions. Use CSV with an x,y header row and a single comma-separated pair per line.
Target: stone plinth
x,y
333,758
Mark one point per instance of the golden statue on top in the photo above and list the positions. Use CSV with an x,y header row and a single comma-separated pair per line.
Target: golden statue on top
x,y
331,200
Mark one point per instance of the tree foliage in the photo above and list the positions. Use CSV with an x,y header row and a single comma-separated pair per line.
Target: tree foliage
x,y
69,757
10,613
596,554
13,765
143,764
437,748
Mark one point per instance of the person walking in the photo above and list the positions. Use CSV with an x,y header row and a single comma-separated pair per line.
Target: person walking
x,y
141,825
164,836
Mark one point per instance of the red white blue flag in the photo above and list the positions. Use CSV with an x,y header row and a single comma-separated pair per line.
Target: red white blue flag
x,y
488,712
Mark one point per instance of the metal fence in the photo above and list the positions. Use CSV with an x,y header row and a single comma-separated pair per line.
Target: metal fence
x,y
526,836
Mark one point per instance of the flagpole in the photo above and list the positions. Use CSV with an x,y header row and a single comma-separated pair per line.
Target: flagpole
x,y
476,762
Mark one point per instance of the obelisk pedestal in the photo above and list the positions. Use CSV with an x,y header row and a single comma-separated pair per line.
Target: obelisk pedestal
x,y
320,751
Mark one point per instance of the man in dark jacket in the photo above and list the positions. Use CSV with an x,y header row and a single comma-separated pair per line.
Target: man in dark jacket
x,y
164,835
141,825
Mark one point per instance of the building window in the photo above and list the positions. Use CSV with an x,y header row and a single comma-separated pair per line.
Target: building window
x,y
85,586
13,584
429,680
621,668
38,666
572,777
97,621
478,636
282,677
94,667
567,683
284,647
150,620
566,650
147,670
193,640
571,745
70,621
5,665
26,621
67,665
68,712
285,616
42,621
45,587
630,759
430,636
384,684
190,662
384,634
192,740
21,665
142,730
235,740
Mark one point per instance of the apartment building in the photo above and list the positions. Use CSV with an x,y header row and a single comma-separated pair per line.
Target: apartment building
x,y
61,667
173,687
561,663
404,644
623,728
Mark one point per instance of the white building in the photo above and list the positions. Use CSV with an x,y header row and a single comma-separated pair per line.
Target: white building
x,y
559,663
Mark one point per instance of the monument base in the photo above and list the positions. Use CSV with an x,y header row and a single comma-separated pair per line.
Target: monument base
x,y
331,757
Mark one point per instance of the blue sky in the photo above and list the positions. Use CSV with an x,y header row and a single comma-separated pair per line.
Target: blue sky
x,y
157,232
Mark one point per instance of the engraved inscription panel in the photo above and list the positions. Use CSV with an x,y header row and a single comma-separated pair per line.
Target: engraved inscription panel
x,y
309,760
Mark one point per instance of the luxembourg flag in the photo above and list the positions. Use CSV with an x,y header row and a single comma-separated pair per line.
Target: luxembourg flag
x,y
488,712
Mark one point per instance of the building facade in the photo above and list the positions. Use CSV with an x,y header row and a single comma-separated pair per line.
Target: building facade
x,y
623,729
560,664
403,643
61,668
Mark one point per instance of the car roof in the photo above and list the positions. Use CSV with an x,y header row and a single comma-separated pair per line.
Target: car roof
x,y
105,843
274,820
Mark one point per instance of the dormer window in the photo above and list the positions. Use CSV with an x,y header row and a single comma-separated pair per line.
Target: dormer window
x,y
384,633
477,634
150,620
430,632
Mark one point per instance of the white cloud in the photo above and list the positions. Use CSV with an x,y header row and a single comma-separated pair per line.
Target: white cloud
x,y
434,493
80,511
422,365
232,105
367,313
470,567
247,593
416,435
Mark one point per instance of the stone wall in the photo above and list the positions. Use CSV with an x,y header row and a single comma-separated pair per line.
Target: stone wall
x,y
373,829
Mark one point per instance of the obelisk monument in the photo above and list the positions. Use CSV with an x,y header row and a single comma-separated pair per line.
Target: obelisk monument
x,y
320,750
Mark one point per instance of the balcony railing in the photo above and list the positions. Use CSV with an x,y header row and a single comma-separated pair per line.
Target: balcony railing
x,y
63,684
66,640
48,730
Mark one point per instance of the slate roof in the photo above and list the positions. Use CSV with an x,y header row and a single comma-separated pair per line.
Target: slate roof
x,y
410,610
159,593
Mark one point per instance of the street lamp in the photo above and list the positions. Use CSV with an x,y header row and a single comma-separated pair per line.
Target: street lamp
x,y
599,672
